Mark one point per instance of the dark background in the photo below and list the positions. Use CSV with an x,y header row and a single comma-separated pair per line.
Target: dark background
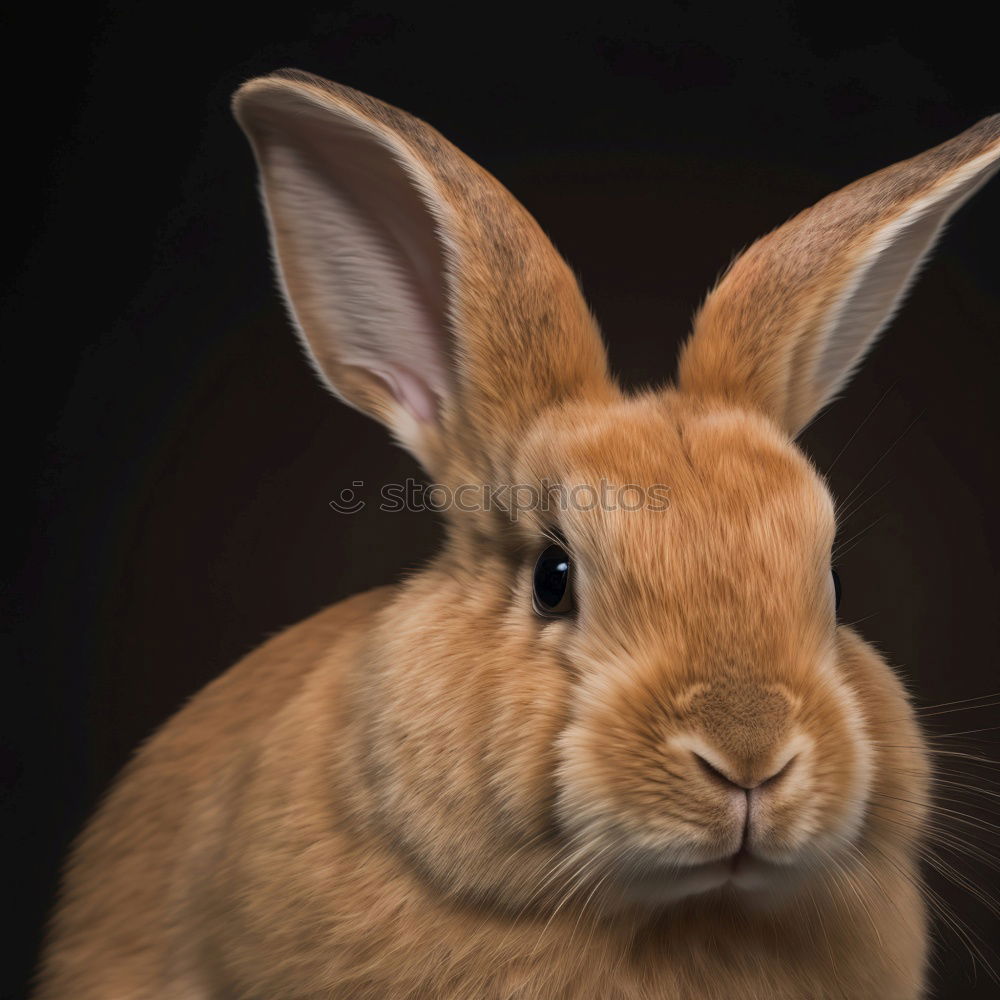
x,y
175,456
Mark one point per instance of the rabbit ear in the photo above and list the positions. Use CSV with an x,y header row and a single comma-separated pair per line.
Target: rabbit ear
x,y
424,293
789,322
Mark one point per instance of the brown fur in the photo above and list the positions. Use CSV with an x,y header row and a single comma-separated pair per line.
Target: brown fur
x,y
429,792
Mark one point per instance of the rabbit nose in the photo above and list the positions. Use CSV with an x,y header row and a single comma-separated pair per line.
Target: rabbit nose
x,y
746,780
745,731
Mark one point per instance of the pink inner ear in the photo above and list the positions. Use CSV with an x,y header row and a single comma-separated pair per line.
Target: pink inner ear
x,y
412,393
361,256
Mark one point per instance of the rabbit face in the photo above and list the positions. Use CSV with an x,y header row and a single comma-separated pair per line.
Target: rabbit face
x,y
713,737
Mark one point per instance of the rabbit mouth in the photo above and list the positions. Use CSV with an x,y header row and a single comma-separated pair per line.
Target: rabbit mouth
x,y
742,874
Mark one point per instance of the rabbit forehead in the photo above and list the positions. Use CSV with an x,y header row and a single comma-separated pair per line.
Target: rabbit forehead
x,y
663,468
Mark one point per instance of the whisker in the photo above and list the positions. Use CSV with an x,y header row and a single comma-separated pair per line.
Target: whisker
x,y
946,913
932,709
844,516
846,546
882,457
857,430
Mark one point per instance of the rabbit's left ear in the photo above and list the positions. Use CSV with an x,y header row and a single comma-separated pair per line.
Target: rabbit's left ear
x,y
795,314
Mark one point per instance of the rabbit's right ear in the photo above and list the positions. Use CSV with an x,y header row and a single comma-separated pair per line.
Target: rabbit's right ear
x,y
424,293
794,315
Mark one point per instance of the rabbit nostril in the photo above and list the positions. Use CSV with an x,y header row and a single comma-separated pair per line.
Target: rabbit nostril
x,y
711,770
718,775
781,772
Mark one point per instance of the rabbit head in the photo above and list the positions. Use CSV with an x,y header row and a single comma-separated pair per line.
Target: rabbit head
x,y
636,681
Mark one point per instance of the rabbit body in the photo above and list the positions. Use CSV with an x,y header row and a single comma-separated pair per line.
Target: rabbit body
x,y
216,869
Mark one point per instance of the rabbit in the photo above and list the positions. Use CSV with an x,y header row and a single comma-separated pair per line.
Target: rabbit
x,y
591,750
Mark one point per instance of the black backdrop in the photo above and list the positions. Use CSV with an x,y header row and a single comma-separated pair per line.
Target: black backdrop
x,y
176,457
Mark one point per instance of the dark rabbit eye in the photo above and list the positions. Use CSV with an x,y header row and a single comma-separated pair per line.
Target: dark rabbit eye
x,y
553,593
836,589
